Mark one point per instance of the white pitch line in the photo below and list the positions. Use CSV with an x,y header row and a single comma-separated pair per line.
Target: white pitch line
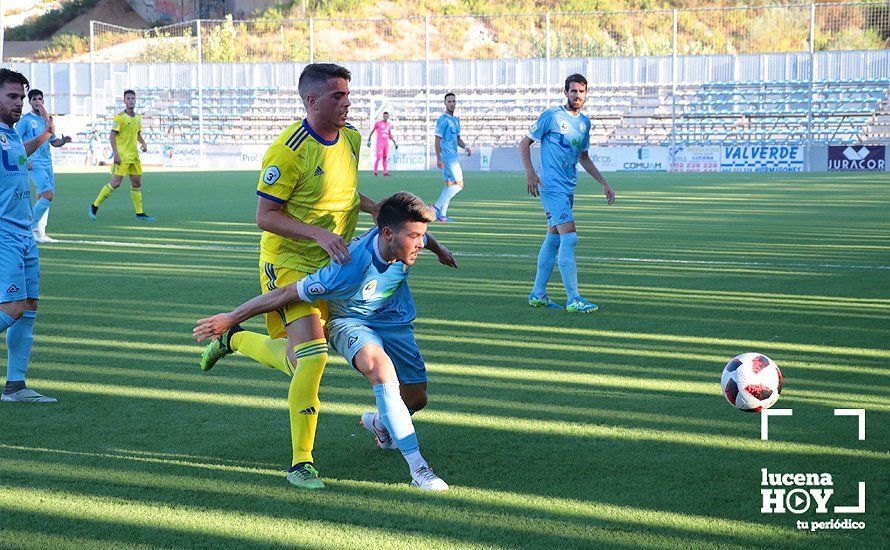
x,y
235,248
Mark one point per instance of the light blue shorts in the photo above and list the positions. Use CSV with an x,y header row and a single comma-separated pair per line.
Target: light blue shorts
x,y
558,208
43,178
19,268
452,170
348,336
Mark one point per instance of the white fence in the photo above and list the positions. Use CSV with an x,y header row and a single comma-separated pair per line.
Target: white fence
x,y
69,88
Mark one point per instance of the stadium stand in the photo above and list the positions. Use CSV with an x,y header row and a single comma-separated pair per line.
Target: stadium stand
x,y
768,112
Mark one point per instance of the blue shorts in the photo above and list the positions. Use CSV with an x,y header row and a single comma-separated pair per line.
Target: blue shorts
x,y
452,170
19,268
348,336
43,178
558,208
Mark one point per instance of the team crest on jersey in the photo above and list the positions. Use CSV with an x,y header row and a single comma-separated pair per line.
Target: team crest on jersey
x,y
369,289
583,127
315,289
271,175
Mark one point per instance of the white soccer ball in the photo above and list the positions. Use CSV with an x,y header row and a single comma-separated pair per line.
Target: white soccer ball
x,y
751,382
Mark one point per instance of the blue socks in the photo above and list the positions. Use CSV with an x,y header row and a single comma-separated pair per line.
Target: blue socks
x,y
5,321
40,207
444,199
546,260
567,267
394,415
19,338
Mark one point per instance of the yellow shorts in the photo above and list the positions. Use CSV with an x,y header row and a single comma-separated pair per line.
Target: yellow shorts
x,y
272,277
127,168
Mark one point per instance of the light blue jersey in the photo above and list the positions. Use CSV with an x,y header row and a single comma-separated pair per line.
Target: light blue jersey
x,y
29,127
563,138
15,189
447,129
367,288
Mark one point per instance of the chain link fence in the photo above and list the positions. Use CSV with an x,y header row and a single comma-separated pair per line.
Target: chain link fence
x,y
729,30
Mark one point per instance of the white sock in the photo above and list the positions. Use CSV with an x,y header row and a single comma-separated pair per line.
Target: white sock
x,y
41,225
415,461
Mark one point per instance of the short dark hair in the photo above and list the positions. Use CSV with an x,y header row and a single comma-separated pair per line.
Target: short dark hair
x,y
385,112
318,74
7,75
403,207
450,94
34,92
129,92
579,78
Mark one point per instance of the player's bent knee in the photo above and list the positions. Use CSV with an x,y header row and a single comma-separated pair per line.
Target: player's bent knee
x,y
14,309
373,362
414,396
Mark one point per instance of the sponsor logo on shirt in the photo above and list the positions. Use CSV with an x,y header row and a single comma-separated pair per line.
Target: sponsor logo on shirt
x,y
369,289
563,127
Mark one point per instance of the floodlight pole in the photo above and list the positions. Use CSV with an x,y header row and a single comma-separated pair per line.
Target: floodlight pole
x,y
311,40
92,75
2,34
812,82
200,97
673,89
426,82
547,47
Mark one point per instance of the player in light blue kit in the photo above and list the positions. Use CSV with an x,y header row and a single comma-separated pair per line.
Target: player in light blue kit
x,y
447,141
564,134
19,268
371,321
41,163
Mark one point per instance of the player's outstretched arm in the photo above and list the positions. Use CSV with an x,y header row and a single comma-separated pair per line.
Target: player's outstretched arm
x,y
60,142
212,327
588,165
531,177
445,256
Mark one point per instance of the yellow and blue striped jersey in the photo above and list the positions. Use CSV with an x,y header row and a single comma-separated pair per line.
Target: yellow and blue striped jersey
x,y
317,182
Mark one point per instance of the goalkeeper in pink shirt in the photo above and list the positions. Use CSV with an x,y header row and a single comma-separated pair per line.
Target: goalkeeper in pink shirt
x,y
384,134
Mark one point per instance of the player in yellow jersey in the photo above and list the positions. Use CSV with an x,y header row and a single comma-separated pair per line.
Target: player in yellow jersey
x,y
126,131
307,208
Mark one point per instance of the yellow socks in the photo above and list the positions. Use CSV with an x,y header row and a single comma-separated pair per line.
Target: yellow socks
x,y
136,196
302,398
104,193
271,352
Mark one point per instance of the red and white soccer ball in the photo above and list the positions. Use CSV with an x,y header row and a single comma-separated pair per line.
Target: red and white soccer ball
x,y
751,382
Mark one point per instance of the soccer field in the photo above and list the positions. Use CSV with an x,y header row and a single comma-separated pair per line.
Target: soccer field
x,y
553,430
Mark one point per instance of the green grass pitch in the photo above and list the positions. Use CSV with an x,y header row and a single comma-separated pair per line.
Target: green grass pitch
x,y
606,430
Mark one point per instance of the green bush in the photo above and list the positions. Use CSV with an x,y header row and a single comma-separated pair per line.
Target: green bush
x,y
44,26
65,46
